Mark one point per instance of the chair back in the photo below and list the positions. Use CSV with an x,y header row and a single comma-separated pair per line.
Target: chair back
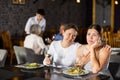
x,y
3,57
6,39
7,44
115,66
26,55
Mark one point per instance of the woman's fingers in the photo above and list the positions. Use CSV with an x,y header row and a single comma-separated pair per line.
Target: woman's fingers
x,y
107,49
47,60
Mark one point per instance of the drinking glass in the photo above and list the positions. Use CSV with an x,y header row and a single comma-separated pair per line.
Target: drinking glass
x,y
78,64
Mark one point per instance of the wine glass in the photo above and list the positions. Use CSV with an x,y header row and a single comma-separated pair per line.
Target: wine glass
x,y
78,64
48,40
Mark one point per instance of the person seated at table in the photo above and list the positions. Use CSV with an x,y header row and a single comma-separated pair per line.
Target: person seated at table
x,y
56,37
34,41
63,52
59,36
93,56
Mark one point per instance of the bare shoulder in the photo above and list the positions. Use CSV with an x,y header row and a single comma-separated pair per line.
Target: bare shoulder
x,y
79,50
80,47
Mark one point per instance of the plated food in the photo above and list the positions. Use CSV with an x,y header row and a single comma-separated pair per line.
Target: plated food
x,y
32,65
75,72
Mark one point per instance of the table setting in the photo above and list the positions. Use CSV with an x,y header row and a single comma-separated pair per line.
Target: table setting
x,y
36,71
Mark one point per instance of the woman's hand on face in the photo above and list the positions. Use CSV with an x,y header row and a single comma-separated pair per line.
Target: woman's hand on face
x,y
96,44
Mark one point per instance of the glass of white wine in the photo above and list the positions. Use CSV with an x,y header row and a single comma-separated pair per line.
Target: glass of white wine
x,y
78,64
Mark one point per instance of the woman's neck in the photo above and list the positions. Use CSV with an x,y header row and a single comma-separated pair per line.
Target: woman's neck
x,y
87,47
65,44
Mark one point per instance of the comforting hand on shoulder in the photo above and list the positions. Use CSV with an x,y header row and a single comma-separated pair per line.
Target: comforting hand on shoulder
x,y
106,50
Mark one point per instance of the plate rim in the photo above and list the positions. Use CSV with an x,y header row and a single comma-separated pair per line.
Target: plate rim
x,y
86,72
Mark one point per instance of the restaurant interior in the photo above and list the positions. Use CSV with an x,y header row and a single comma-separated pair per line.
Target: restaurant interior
x,y
15,13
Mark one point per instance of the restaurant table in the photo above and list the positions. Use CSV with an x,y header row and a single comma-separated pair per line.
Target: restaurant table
x,y
47,73
115,51
115,55
114,63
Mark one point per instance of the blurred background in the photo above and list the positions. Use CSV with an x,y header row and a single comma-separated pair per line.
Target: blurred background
x,y
15,13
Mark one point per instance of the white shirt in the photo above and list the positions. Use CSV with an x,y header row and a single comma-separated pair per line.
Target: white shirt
x,y
33,20
63,56
34,42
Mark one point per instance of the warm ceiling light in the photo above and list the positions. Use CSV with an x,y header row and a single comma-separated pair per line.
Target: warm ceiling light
x,y
116,2
18,1
78,1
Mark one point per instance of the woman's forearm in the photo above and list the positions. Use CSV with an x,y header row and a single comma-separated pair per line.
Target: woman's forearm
x,y
94,61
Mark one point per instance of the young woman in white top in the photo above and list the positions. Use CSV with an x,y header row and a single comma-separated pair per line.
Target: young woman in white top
x,y
93,56
34,41
63,52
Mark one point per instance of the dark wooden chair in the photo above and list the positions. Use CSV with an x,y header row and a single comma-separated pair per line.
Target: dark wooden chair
x,y
7,44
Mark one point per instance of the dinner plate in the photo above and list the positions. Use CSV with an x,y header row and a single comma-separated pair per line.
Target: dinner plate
x,y
24,66
65,72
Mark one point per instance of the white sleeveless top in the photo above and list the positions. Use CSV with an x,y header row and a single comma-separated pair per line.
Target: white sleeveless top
x,y
88,65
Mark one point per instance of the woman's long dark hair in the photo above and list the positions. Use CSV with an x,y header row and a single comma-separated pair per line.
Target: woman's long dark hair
x,y
97,28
